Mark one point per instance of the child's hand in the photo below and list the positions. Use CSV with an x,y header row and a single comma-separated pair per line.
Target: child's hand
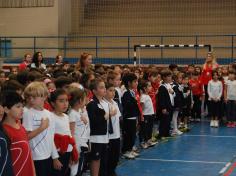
x,y
171,91
164,111
44,123
57,164
84,119
113,111
188,92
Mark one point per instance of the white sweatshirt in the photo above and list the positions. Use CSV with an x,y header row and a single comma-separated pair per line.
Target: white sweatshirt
x,y
215,89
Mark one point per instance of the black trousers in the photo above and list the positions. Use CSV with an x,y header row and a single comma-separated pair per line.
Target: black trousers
x,y
214,108
64,159
196,112
231,110
129,134
113,155
146,128
164,127
206,102
43,167
83,161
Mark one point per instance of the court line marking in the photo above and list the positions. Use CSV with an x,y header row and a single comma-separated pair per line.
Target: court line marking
x,y
215,136
181,161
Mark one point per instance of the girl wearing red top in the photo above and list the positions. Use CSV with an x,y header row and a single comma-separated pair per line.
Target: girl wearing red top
x,y
20,149
27,61
206,75
196,86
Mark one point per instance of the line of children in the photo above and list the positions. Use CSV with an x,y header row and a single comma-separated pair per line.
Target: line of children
x,y
95,124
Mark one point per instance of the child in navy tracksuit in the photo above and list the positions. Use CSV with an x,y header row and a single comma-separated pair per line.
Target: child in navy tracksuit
x,y
131,114
187,103
165,103
178,102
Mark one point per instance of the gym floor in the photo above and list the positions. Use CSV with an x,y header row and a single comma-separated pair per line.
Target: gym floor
x,y
203,151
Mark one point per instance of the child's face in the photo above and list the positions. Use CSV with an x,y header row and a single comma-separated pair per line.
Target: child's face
x,y
190,69
149,87
117,70
152,79
231,76
38,102
215,76
137,73
110,93
15,111
198,70
185,80
117,81
51,86
14,71
1,113
168,79
224,70
180,79
61,104
101,90
134,84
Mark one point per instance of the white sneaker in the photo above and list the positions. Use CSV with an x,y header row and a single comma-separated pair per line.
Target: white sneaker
x,y
216,123
128,155
134,154
144,145
179,132
150,143
212,123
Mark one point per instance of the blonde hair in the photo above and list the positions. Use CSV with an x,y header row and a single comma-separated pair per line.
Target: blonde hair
x,y
36,89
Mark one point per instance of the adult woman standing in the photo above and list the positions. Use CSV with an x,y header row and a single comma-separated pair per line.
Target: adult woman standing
x,y
85,63
206,75
37,61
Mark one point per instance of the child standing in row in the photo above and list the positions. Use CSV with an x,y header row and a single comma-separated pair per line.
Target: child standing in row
x,y
40,126
197,88
98,113
64,142
13,107
5,158
131,115
187,103
114,133
230,99
165,104
178,102
215,90
80,129
145,88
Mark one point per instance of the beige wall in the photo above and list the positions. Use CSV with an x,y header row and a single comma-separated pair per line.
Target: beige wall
x,y
36,21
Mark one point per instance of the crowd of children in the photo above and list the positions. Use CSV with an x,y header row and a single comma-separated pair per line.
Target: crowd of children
x,y
64,119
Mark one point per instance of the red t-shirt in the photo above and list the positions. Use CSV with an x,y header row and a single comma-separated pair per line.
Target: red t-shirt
x,y
20,151
153,93
22,66
206,75
139,104
196,86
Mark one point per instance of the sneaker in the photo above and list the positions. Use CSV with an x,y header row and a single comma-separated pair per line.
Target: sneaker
x,y
229,125
144,145
135,149
128,155
212,123
234,124
150,143
179,132
135,154
216,123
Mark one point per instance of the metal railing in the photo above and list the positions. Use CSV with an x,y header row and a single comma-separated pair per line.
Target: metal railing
x,y
68,44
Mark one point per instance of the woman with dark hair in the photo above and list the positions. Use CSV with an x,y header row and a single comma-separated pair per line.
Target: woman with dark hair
x,y
206,75
37,61
84,64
